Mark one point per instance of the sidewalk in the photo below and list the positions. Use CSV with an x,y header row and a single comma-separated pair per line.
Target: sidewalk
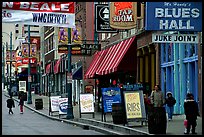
x,y
174,127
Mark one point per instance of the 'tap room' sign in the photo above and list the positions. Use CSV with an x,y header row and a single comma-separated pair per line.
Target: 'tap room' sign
x,y
175,16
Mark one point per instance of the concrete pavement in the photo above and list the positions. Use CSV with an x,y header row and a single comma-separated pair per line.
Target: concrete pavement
x,y
174,127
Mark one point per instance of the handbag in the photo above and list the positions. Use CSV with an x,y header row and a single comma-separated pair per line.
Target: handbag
x,y
185,122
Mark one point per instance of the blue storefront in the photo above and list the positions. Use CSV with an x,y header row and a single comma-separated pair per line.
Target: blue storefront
x,y
179,74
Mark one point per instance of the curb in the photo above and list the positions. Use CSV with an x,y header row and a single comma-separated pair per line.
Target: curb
x,y
74,123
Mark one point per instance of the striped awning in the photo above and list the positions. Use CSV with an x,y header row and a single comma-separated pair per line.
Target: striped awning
x,y
57,66
97,58
108,60
114,56
47,70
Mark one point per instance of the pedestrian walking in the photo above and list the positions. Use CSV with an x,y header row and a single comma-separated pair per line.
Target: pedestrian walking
x,y
21,103
157,115
191,111
10,104
148,106
170,102
147,103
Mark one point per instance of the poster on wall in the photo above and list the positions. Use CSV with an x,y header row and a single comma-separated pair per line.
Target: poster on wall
x,y
54,103
134,105
63,105
86,103
173,16
109,96
22,86
56,14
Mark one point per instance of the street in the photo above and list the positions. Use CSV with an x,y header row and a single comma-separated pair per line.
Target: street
x,y
31,123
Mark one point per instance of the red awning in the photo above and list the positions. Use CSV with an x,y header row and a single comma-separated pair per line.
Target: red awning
x,y
114,56
56,67
47,70
97,58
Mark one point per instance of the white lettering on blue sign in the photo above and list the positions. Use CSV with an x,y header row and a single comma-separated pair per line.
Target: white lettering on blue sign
x,y
176,13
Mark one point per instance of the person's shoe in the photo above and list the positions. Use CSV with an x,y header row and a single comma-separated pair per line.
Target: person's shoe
x,y
186,133
194,133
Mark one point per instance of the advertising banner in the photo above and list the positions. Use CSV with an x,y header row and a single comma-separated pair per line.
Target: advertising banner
x,y
54,103
63,36
33,50
76,34
110,96
13,56
175,38
56,14
63,105
24,51
36,41
123,15
134,104
174,16
86,103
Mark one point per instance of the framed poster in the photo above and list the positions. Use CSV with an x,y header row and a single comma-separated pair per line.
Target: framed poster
x,y
63,105
134,105
54,100
109,96
86,103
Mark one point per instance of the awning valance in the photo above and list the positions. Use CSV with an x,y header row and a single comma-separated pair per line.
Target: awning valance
x,y
77,74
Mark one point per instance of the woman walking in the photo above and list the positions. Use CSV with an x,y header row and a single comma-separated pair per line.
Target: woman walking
x,y
21,103
170,102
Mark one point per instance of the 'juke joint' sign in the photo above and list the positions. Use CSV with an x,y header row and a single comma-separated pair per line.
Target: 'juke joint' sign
x,y
180,16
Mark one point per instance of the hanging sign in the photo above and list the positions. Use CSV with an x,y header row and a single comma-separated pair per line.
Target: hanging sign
x,y
57,14
123,15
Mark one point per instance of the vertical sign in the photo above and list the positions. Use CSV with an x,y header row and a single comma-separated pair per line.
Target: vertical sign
x,y
102,23
76,34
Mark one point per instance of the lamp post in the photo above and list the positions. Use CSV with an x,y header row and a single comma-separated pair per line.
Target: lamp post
x,y
68,83
29,76
10,60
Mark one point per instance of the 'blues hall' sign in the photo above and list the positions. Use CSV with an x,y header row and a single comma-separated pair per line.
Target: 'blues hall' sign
x,y
178,16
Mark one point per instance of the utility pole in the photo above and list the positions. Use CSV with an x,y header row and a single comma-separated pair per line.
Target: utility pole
x,y
68,83
3,65
29,76
10,62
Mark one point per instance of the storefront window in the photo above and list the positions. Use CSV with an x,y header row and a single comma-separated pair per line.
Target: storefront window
x,y
192,50
186,50
169,52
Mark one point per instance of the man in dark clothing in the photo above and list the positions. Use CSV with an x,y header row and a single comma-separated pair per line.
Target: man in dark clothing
x,y
10,104
191,112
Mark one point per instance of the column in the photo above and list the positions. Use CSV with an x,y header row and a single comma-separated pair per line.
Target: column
x,y
176,77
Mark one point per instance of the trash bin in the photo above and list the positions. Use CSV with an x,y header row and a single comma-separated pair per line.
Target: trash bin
x,y
118,113
38,103
157,122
